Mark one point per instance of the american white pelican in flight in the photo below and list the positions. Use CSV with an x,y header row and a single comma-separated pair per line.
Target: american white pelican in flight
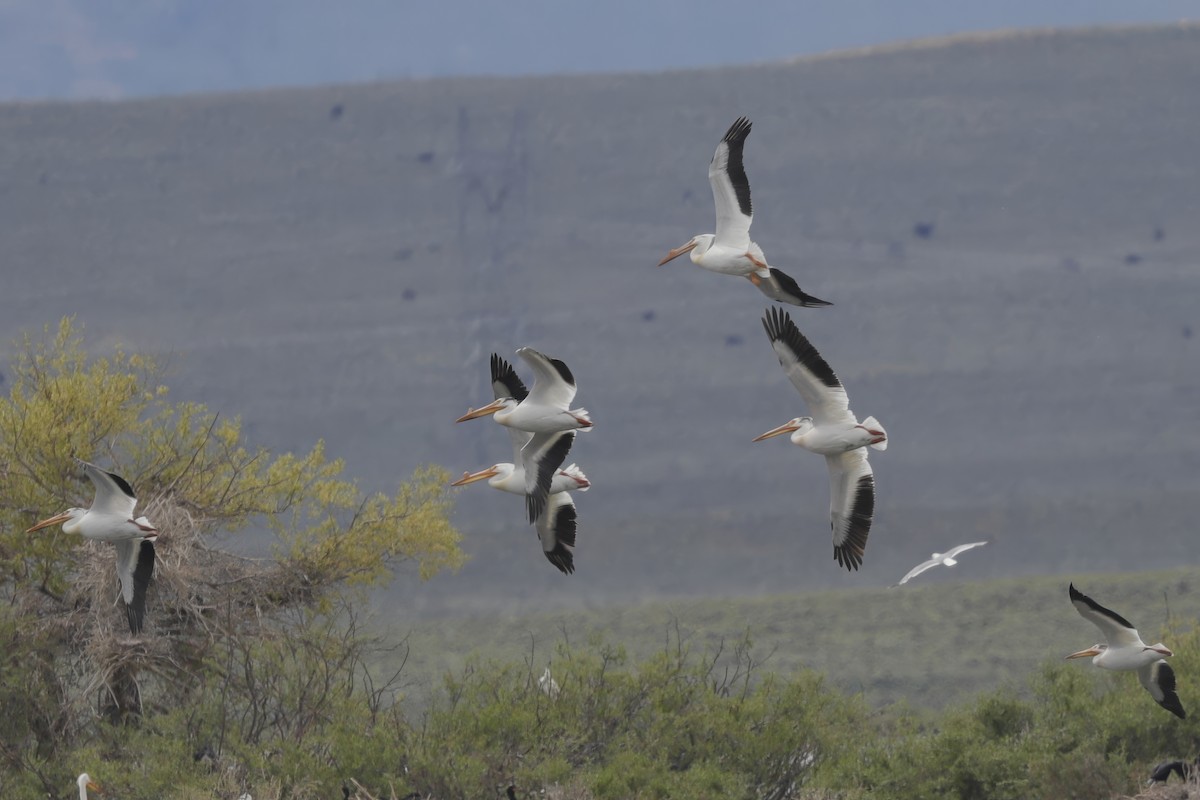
x,y
543,411
84,782
110,519
510,478
946,559
1125,651
730,250
546,409
557,522
834,432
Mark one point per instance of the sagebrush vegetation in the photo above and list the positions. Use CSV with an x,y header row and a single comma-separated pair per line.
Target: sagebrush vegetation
x,y
931,645
257,675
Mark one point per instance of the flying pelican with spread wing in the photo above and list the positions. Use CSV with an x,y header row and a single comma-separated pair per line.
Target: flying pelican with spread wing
x,y
110,519
729,251
535,418
1125,651
832,431
556,524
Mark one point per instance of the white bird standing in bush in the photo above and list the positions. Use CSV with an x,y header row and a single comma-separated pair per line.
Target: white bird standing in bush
x,y
84,782
548,685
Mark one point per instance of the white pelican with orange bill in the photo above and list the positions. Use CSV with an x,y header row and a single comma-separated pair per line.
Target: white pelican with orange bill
x,y
556,525
534,418
832,431
110,519
84,782
729,251
1125,651
546,408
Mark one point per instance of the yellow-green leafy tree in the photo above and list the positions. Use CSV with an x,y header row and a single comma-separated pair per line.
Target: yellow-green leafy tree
x,y
70,673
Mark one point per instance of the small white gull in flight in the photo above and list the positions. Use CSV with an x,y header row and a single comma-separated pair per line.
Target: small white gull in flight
x,y
946,559
729,251
832,431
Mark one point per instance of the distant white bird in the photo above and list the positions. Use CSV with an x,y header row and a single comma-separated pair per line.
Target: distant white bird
x,y
834,432
729,251
946,559
110,519
84,782
548,685
1125,651
535,419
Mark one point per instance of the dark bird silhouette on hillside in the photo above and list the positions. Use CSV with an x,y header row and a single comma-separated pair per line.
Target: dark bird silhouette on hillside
x,y
1162,772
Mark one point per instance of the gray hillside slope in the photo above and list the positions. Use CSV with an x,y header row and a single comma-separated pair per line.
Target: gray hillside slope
x,y
346,276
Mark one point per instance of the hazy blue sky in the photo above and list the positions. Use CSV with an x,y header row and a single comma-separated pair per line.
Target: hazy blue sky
x,y
121,48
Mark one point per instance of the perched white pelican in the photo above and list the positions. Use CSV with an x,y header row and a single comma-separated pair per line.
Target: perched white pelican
x,y
1125,651
84,782
730,250
557,521
535,419
548,685
834,432
946,559
110,519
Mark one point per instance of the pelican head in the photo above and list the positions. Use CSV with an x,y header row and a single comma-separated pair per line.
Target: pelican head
x,y
797,427
69,519
84,781
501,404
1091,652
493,474
697,246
